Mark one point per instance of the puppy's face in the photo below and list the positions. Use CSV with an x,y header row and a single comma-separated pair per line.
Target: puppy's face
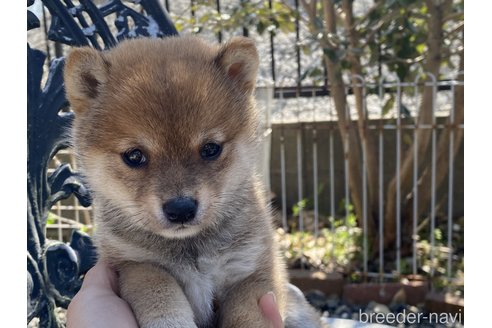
x,y
164,129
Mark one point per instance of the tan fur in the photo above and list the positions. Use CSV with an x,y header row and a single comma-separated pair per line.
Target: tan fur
x,y
167,98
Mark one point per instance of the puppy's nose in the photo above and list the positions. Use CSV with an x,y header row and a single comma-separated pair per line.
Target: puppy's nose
x,y
180,210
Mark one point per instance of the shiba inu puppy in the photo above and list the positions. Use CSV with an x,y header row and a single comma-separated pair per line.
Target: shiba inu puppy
x,y
165,134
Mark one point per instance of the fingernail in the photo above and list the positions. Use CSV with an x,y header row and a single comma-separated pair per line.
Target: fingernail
x,y
273,297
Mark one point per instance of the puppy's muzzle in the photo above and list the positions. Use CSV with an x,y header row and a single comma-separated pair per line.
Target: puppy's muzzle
x,y
180,210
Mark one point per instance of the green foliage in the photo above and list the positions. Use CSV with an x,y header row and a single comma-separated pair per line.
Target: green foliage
x,y
439,266
338,247
249,14
54,219
390,103
335,248
332,250
300,205
391,34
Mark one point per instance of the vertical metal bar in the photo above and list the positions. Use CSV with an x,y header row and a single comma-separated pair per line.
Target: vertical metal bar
x,y
192,7
433,174
345,160
364,183
315,180
381,186
346,181
298,49
332,177
398,185
299,136
315,170
415,179
282,172
245,29
450,183
325,75
282,164
219,34
332,180
272,46
299,178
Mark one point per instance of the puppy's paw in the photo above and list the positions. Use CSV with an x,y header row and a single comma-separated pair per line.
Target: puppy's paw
x,y
169,322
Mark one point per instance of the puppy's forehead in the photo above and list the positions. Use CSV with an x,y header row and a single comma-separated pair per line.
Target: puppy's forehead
x,y
165,91
172,58
162,106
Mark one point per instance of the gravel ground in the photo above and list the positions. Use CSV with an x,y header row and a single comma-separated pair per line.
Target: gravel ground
x,y
396,314
332,307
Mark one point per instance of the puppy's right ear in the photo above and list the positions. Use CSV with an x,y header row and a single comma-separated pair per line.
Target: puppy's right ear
x,y
86,73
239,59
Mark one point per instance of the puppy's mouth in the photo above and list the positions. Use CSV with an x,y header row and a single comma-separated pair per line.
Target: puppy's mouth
x,y
183,226
180,230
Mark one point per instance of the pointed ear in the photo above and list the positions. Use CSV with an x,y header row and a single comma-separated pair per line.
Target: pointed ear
x,y
239,60
86,73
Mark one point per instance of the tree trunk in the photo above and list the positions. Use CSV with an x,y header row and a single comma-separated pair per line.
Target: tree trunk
x,y
347,130
437,10
368,145
443,157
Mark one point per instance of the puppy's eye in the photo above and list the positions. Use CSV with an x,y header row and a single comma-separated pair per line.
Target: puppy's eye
x,y
134,158
210,151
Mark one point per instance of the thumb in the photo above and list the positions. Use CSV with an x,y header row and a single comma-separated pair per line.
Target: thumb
x,y
269,308
101,277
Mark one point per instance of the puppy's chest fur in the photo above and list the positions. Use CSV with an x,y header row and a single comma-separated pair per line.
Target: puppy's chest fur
x,y
212,278
205,269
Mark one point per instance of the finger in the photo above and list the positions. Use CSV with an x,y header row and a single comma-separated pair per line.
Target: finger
x,y
269,308
102,277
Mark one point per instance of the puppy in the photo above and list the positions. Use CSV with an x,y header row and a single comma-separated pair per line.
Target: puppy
x,y
165,132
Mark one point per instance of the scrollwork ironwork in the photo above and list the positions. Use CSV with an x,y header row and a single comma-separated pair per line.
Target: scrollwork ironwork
x,y
54,269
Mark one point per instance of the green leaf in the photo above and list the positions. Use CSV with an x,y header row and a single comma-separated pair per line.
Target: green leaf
x,y
298,206
331,54
52,218
438,234
421,48
405,112
346,64
260,27
388,105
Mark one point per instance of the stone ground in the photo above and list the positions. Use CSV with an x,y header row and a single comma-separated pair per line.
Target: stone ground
x,y
332,308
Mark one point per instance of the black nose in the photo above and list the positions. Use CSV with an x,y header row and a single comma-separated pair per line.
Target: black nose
x,y
180,210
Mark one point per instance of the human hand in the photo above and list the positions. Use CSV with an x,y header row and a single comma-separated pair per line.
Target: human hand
x,y
99,305
269,308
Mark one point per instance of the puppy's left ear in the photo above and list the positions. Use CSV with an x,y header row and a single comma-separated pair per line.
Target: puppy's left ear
x,y
239,60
